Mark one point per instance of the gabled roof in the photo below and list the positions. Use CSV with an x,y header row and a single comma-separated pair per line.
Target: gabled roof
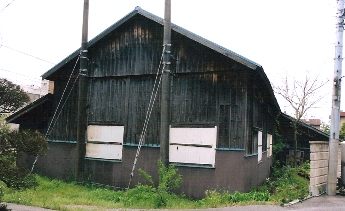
x,y
307,127
39,102
232,55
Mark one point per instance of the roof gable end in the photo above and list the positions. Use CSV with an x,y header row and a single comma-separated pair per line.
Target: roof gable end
x,y
228,53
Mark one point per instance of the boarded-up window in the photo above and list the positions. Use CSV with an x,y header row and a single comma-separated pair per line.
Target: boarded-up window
x,y
193,146
259,134
104,142
269,145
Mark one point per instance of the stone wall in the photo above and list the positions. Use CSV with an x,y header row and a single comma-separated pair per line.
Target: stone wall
x,y
319,167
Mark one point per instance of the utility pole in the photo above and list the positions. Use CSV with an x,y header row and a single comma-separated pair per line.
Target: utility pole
x,y
165,98
334,130
82,96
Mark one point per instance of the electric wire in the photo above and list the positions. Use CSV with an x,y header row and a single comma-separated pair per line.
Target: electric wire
x,y
63,93
36,79
153,96
7,6
24,53
63,105
57,108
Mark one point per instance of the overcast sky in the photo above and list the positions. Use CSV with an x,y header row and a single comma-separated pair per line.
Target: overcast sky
x,y
286,37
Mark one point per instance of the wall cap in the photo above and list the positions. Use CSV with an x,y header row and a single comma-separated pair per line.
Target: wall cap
x,y
318,142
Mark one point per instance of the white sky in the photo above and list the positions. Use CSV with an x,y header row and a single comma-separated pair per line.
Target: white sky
x,y
286,37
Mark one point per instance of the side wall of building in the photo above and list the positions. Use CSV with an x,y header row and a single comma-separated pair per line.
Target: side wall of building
x,y
208,89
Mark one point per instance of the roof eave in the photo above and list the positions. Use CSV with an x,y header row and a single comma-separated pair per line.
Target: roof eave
x,y
306,125
28,108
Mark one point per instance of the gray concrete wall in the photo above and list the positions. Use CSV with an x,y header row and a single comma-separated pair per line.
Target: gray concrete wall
x,y
234,171
319,155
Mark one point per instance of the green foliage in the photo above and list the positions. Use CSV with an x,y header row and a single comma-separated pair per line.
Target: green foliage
x,y
215,198
326,128
278,146
169,181
28,141
2,189
146,176
12,97
11,143
169,178
342,132
142,196
287,183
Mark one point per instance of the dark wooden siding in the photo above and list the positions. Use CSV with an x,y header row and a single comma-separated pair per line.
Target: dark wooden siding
x,y
261,115
134,49
208,88
138,101
65,125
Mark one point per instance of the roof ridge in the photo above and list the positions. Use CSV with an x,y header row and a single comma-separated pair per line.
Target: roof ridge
x,y
138,10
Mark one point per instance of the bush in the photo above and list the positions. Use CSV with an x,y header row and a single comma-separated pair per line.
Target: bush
x,y
169,178
169,181
215,198
28,141
3,207
11,143
141,196
287,183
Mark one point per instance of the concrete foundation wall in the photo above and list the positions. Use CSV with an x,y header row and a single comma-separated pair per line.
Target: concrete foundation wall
x,y
319,155
233,171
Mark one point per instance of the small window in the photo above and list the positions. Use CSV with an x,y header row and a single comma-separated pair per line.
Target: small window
x,y
104,142
252,144
269,145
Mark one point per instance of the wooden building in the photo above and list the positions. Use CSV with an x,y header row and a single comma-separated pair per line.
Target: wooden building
x,y
223,111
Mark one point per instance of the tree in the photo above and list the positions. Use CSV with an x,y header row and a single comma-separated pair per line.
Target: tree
x,y
326,128
342,132
11,144
12,97
301,96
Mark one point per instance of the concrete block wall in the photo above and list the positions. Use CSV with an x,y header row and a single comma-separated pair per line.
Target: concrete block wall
x,y
319,167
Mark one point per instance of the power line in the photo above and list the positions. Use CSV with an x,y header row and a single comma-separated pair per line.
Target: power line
x,y
153,96
24,53
38,79
7,6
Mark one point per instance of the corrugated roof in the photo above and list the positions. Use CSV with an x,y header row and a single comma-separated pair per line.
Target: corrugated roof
x,y
226,52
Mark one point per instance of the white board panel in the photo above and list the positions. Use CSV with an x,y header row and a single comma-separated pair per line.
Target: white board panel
x,y
105,133
259,153
259,146
199,136
104,151
271,145
259,138
193,155
269,141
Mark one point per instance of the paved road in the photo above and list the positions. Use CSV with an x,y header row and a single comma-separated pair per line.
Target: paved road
x,y
322,203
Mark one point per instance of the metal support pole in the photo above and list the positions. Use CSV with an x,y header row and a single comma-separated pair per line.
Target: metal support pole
x,y
82,96
334,130
342,145
165,98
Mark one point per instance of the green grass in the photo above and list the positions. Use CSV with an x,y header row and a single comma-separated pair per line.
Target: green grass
x,y
286,185
60,195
